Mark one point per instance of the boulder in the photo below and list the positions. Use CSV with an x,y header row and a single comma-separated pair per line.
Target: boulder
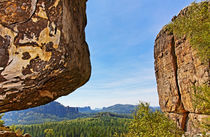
x,y
43,52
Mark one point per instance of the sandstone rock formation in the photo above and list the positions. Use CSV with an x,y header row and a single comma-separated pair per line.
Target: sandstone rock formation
x,y
43,52
178,69
12,134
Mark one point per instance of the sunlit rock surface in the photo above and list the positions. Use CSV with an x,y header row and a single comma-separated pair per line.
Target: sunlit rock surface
x,y
43,52
178,69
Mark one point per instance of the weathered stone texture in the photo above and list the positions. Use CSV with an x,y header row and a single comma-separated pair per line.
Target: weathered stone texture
x,y
193,122
43,52
178,69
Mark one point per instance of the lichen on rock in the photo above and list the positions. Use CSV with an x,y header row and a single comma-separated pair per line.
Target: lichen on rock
x,y
43,52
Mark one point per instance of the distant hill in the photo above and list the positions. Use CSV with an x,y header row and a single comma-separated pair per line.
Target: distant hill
x,y
120,109
54,108
55,111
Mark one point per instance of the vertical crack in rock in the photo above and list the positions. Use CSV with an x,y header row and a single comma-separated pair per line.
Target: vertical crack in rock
x,y
175,67
179,106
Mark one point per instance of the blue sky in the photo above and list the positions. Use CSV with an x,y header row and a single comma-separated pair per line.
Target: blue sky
x,y
121,35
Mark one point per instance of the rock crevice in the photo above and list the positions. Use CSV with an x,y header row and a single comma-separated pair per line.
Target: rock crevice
x,y
175,69
179,106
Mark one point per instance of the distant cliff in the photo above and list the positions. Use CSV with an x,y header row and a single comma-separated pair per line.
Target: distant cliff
x,y
181,55
53,111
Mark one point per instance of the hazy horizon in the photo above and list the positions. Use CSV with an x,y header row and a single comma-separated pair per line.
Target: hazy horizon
x,y
121,38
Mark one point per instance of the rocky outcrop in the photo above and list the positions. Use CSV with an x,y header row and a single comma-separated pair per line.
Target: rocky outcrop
x,y
43,52
6,132
178,69
12,134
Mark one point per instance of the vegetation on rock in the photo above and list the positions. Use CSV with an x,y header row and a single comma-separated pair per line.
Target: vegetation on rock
x,y
202,99
16,130
194,24
202,104
11,131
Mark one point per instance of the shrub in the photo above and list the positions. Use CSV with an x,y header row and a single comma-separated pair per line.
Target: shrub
x,y
49,132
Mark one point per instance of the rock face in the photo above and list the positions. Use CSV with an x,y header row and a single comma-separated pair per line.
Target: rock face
x,y
178,69
43,52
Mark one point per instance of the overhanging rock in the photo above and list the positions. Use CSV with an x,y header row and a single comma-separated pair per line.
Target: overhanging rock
x,y
43,52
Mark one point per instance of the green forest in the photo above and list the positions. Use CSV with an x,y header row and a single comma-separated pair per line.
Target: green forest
x,y
145,122
102,126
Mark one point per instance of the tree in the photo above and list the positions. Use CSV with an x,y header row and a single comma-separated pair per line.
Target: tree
x,y
147,123
49,133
